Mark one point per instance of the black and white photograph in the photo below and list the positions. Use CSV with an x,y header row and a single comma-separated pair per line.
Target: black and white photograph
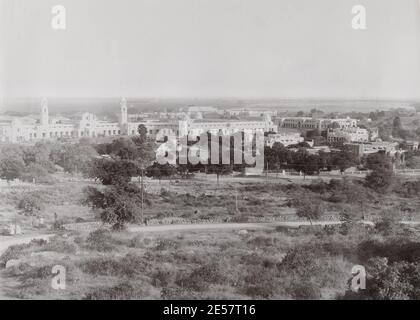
x,y
229,152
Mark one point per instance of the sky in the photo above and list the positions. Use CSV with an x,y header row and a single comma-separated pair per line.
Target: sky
x,y
210,49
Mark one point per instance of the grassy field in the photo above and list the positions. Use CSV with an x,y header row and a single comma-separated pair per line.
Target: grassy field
x,y
302,263
236,199
283,263
190,199
209,265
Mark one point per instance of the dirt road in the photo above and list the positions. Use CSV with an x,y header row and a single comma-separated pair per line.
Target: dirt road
x,y
6,242
227,226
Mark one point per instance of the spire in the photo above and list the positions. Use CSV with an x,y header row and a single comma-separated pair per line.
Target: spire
x,y
123,112
44,112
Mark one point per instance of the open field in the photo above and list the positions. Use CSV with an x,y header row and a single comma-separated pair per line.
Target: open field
x,y
242,240
280,263
236,199
201,264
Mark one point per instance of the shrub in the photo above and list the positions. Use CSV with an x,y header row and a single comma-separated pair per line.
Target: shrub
x,y
100,240
117,204
31,204
139,242
17,251
261,241
38,174
128,266
258,291
177,293
122,291
305,291
13,252
395,250
380,179
165,244
61,245
163,276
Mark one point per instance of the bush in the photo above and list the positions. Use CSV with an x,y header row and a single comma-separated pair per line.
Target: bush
x,y
17,251
128,266
139,242
258,291
395,250
31,203
118,205
100,240
13,252
380,179
38,174
57,244
123,291
165,244
305,291
163,276
261,241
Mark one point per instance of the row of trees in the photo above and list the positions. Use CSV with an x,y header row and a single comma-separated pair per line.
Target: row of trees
x,y
120,201
279,157
35,163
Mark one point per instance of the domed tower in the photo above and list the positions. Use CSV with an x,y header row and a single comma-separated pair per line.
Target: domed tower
x,y
123,116
44,112
123,110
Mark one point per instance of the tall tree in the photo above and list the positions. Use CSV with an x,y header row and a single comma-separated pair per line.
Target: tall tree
x,y
117,205
11,162
307,206
31,205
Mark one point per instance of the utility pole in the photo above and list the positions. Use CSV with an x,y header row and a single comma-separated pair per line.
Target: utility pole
x,y
142,195
236,199
266,172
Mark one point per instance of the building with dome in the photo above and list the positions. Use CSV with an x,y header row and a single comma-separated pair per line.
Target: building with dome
x,y
27,130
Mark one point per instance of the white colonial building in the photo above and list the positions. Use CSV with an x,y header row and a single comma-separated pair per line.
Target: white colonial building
x,y
285,138
26,129
307,123
345,135
197,127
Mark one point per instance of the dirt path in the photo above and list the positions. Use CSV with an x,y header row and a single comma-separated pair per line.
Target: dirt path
x,y
6,242
244,226
227,226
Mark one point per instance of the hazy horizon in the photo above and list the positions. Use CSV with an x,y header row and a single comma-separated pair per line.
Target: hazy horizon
x,y
67,105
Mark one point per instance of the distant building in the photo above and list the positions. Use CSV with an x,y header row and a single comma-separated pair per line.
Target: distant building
x,y
285,138
250,113
355,148
196,127
202,110
308,123
24,129
361,149
389,148
412,145
318,150
345,135
236,112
